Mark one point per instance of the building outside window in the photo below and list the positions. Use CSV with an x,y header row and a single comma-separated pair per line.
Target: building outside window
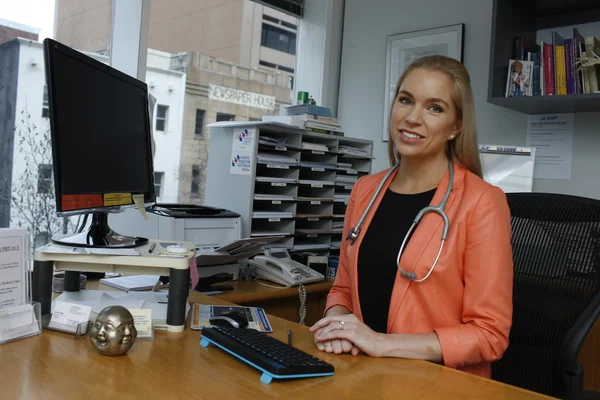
x,y
199,127
44,183
225,117
195,188
158,183
161,117
278,39
45,107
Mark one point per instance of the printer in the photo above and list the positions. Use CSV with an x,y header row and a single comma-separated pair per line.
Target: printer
x,y
204,226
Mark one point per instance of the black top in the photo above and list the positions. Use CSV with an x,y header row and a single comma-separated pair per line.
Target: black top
x,y
378,251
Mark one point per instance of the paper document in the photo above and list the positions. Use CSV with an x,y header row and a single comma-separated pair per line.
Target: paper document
x,y
552,136
17,322
509,168
132,282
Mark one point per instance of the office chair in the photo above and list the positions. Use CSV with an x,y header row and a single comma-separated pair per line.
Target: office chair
x,y
556,253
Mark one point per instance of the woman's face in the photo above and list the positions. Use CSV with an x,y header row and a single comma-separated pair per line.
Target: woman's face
x,y
424,116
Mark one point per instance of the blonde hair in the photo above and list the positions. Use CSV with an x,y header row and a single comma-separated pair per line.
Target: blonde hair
x,y
463,148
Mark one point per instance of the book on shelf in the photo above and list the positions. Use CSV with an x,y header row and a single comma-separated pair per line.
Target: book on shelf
x,y
557,66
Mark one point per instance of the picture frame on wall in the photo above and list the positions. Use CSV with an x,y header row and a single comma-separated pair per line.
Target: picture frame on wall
x,y
404,48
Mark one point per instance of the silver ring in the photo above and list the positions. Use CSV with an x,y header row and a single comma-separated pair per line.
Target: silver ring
x,y
328,344
341,325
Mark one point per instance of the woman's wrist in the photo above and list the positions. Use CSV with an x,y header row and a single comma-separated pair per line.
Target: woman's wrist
x,y
337,310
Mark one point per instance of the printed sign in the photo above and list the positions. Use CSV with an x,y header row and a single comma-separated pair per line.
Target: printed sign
x,y
117,199
78,201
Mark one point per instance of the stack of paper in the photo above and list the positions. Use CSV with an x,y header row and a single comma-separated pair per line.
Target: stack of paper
x,y
315,164
314,146
275,179
269,158
315,182
271,141
272,214
352,151
268,196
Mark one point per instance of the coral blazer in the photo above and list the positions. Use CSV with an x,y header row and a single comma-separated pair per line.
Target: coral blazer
x,y
467,299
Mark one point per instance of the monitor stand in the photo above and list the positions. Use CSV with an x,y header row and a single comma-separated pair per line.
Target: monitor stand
x,y
99,234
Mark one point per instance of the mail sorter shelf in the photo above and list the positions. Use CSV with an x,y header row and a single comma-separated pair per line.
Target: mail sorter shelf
x,y
309,189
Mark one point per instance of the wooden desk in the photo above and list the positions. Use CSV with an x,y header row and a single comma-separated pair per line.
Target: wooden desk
x,y
174,365
283,303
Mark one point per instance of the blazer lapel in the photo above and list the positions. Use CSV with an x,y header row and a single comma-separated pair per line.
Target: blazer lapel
x,y
430,228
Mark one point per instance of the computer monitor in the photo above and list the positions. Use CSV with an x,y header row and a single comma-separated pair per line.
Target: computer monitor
x,y
101,143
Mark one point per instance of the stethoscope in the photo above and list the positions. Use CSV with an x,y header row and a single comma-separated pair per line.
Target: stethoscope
x,y
439,209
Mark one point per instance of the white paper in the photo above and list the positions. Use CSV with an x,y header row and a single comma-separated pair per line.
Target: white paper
x,y
552,136
242,151
142,320
13,267
67,316
17,322
107,300
509,168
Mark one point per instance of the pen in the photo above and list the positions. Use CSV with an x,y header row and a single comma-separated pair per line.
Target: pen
x,y
290,337
152,247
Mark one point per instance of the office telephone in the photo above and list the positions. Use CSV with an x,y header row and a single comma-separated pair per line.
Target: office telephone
x,y
277,266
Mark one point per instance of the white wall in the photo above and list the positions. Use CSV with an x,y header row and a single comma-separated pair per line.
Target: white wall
x,y
361,97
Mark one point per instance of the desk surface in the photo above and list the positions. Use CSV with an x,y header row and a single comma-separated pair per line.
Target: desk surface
x,y
54,365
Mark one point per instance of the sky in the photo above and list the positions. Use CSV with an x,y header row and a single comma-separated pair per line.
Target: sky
x,y
35,13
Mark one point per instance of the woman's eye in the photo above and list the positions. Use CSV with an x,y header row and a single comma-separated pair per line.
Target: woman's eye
x,y
404,100
436,109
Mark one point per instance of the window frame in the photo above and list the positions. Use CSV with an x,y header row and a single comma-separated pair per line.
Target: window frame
x,y
225,114
160,184
164,119
278,30
201,131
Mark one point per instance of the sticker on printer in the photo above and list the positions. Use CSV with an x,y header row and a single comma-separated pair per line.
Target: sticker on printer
x,y
117,199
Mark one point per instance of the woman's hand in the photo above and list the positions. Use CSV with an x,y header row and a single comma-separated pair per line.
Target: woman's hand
x,y
348,330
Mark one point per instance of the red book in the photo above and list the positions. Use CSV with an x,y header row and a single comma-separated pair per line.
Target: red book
x,y
548,70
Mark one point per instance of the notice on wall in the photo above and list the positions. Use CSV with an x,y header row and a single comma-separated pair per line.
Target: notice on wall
x,y
14,261
242,151
552,137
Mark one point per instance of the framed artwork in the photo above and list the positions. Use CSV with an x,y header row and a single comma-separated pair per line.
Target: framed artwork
x,y
403,48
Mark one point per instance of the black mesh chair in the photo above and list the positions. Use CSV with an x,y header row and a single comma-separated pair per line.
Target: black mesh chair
x,y
556,251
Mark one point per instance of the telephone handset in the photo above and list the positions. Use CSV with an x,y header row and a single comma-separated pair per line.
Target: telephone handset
x,y
277,266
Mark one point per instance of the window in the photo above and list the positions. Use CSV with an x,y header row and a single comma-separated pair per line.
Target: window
x,y
158,182
44,183
45,109
195,189
199,122
269,18
225,117
267,64
278,39
161,117
288,25
286,69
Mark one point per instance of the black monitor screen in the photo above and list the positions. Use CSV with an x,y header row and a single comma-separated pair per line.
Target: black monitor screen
x,y
100,132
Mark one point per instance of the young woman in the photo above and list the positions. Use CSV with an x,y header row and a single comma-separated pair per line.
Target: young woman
x,y
447,301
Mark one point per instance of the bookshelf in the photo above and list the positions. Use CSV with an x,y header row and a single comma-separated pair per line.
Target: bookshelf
x,y
511,18
302,197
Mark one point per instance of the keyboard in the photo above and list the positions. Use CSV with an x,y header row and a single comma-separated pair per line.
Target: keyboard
x,y
271,356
